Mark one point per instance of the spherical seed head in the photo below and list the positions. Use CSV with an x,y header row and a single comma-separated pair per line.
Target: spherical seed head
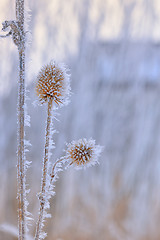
x,y
53,83
83,153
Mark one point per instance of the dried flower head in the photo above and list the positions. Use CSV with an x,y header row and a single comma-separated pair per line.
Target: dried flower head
x,y
53,83
83,153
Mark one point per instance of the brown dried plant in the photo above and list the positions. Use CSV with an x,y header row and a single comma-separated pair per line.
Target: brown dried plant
x,y
53,88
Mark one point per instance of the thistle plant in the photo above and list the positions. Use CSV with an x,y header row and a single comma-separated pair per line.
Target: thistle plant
x,y
52,89
83,153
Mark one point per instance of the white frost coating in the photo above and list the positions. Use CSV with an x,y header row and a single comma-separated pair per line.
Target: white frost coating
x,y
28,35
83,153
53,82
27,163
43,235
27,143
27,121
26,116
50,192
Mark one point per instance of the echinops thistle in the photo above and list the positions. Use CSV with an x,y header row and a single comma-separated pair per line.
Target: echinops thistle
x,y
53,84
83,153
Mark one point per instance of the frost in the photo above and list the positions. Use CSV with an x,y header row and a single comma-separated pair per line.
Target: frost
x,y
27,120
27,143
83,153
53,82
43,235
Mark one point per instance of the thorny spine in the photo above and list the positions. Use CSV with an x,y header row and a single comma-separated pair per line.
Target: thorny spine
x,y
44,172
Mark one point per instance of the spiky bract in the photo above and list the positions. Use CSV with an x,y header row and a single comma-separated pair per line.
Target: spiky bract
x,y
83,153
53,83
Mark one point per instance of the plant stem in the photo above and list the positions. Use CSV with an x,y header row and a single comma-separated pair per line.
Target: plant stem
x,y
53,174
44,173
21,170
21,100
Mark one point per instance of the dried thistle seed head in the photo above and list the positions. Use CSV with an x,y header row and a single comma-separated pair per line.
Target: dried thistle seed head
x,y
83,153
53,83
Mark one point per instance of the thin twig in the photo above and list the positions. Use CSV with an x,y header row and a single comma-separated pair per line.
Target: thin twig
x,y
53,170
7,35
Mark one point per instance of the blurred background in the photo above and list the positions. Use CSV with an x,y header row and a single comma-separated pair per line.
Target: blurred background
x,y
112,48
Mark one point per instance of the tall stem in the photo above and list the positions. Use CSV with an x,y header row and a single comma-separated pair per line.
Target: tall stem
x,y
21,100
21,170
44,173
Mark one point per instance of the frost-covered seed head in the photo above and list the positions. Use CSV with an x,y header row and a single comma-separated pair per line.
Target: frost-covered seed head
x,y
83,153
53,83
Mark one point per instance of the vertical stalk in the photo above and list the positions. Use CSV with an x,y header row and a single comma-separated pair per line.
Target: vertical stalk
x,y
21,170
21,101
44,172
45,163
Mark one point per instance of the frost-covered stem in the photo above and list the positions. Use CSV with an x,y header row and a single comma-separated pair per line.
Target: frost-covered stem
x,y
21,183
21,100
20,13
53,174
44,172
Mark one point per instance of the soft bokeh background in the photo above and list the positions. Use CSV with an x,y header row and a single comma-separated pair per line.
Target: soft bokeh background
x,y
113,50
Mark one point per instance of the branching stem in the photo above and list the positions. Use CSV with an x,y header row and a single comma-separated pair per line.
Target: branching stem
x,y
53,169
